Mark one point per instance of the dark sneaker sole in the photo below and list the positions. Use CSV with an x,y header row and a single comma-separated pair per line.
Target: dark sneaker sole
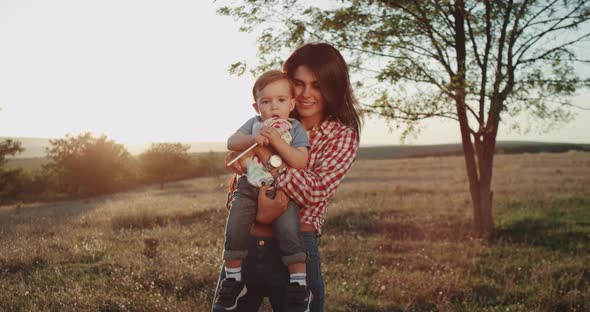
x,y
240,295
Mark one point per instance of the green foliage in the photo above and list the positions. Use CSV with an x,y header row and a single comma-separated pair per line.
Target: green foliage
x,y
39,178
9,147
164,162
34,182
208,164
9,183
9,177
88,165
415,58
19,178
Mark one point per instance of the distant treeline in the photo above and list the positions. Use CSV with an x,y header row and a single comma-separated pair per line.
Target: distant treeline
x,y
508,147
84,165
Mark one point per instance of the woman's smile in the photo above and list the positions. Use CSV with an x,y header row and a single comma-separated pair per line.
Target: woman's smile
x,y
310,102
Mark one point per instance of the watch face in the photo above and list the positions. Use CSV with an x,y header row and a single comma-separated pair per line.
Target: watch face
x,y
275,161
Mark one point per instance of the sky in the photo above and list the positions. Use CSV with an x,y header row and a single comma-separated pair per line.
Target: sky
x,y
143,71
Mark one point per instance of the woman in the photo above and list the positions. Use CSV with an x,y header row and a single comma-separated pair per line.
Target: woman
x,y
326,108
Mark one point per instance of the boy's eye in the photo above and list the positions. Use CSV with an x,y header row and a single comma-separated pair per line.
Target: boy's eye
x,y
265,101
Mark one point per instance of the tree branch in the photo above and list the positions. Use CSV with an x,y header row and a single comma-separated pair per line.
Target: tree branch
x,y
523,99
528,23
514,34
500,54
472,39
428,28
555,27
407,115
548,52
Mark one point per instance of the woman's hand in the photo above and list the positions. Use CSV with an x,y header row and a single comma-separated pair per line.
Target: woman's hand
x,y
269,209
236,167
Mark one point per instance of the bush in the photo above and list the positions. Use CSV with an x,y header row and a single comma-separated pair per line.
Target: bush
x,y
208,164
164,162
88,165
84,165
32,182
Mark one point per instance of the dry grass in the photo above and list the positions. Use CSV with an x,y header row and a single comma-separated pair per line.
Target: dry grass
x,y
406,225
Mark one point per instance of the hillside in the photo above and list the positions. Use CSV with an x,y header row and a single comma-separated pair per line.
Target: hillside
x,y
503,147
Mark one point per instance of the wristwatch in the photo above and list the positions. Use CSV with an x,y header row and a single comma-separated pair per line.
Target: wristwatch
x,y
275,161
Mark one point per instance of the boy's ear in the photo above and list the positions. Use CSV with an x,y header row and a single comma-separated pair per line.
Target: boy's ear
x,y
255,105
292,105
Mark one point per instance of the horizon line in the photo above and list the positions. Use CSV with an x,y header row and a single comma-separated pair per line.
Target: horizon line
x,y
361,143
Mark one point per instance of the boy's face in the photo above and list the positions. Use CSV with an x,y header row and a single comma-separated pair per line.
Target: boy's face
x,y
275,100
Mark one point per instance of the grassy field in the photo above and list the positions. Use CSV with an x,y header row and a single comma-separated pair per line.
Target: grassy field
x,y
406,225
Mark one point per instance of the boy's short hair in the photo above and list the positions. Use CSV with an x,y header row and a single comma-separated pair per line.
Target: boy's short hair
x,y
268,78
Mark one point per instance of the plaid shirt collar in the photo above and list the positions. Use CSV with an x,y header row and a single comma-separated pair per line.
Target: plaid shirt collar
x,y
326,126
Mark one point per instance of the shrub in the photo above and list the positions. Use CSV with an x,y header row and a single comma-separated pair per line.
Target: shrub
x,y
89,165
164,162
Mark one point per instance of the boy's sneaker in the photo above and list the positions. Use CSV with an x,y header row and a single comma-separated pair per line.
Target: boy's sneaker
x,y
229,293
298,298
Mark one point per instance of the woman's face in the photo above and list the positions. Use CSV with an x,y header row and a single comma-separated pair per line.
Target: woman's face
x,y
309,99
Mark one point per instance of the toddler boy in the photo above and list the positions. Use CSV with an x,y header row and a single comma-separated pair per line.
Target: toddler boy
x,y
273,93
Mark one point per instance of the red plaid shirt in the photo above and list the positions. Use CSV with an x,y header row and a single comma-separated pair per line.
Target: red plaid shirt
x,y
334,147
333,150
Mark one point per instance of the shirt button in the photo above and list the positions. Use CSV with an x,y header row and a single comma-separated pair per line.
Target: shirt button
x,y
260,243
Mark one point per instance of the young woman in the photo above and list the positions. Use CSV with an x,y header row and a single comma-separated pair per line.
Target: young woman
x,y
326,108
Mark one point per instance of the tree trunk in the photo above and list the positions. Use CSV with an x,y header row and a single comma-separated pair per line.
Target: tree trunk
x,y
485,184
468,150
479,173
486,167
471,167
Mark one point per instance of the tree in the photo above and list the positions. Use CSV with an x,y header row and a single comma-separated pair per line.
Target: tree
x,y
9,147
474,62
86,163
9,177
165,161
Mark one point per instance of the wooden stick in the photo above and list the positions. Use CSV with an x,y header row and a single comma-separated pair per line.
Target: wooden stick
x,y
242,154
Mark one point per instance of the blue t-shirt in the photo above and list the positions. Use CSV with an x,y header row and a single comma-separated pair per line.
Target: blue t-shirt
x,y
298,134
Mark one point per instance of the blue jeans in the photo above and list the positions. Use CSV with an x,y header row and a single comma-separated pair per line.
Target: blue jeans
x,y
266,276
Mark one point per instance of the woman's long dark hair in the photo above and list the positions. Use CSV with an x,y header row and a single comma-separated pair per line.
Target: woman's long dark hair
x,y
331,70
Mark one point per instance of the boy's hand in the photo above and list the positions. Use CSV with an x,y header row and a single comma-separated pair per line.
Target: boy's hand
x,y
271,134
261,140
